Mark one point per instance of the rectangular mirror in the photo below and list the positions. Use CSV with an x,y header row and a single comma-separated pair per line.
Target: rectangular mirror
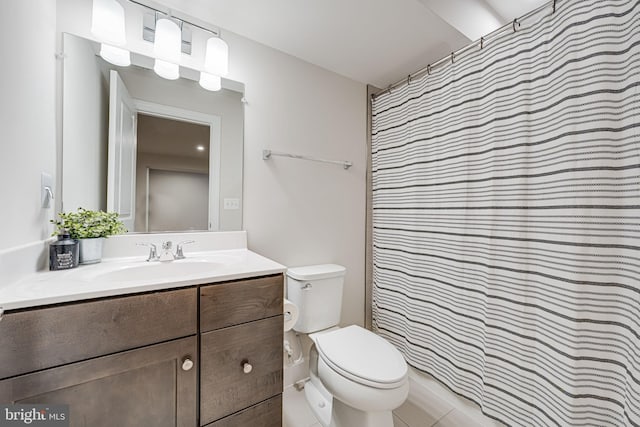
x,y
165,154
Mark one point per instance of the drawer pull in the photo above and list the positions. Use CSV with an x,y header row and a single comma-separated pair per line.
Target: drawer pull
x,y
187,364
246,367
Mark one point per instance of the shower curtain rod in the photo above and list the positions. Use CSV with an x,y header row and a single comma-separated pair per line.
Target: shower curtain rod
x,y
451,57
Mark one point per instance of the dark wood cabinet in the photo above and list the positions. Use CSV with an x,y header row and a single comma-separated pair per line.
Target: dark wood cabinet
x,y
203,355
241,325
233,303
142,387
240,366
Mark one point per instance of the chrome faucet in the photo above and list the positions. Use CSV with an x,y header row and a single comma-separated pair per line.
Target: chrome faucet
x,y
179,253
153,251
166,254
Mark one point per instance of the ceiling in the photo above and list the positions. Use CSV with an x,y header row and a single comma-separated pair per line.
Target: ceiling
x,y
158,135
370,41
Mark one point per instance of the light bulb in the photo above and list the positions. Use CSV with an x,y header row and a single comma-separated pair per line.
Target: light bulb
x,y
168,41
107,22
166,70
210,81
216,59
115,55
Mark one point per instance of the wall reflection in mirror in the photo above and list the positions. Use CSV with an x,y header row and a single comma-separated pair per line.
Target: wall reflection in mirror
x,y
166,155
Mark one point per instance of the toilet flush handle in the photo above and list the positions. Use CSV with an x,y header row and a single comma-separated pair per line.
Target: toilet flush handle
x,y
307,286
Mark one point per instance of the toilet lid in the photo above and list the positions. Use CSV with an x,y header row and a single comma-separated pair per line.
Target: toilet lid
x,y
362,356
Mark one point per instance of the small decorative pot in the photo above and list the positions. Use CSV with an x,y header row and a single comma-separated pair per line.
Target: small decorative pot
x,y
91,250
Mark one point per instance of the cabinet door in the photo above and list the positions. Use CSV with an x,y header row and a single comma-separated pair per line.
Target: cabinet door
x,y
225,387
264,414
143,387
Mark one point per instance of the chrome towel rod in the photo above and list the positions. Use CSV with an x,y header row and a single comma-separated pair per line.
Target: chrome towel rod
x,y
266,155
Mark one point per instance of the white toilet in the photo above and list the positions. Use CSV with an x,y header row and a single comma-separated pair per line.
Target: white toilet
x,y
357,377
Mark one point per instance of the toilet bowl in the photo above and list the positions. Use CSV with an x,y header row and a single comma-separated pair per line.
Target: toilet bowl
x,y
356,377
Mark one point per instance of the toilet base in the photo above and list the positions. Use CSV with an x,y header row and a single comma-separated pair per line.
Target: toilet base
x,y
346,416
331,412
319,400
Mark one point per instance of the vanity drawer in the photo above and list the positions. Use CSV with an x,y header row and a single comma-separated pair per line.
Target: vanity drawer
x,y
264,414
238,302
225,388
42,338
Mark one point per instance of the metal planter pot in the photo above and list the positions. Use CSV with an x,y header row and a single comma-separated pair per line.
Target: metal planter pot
x,y
91,250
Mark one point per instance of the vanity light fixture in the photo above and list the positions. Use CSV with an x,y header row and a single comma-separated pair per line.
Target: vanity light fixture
x,y
170,37
216,64
107,22
200,147
216,58
166,48
107,25
167,42
210,81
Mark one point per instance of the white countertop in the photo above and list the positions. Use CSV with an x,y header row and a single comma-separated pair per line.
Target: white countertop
x,y
120,276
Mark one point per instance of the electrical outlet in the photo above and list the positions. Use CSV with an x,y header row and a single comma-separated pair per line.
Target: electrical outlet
x,y
231,204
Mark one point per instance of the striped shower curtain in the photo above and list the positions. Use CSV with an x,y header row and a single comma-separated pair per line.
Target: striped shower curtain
x,y
506,216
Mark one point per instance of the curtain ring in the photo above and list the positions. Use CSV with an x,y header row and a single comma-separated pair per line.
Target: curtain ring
x,y
429,69
554,6
452,57
408,79
481,42
515,21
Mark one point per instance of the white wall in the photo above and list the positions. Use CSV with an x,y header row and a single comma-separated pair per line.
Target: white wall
x,y
295,212
179,202
167,163
300,212
27,117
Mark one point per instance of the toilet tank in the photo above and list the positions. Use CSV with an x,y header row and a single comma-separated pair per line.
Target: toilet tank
x,y
317,291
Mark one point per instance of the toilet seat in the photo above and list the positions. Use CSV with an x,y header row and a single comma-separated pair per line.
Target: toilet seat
x,y
362,357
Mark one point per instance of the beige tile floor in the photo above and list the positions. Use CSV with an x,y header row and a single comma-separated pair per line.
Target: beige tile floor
x,y
437,413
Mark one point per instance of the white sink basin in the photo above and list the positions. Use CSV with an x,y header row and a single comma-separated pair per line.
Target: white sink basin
x,y
149,271
154,271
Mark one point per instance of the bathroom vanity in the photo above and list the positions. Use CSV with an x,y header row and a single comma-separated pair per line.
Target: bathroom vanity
x,y
205,351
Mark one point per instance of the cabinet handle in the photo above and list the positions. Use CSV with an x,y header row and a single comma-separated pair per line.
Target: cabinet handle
x,y
246,367
187,364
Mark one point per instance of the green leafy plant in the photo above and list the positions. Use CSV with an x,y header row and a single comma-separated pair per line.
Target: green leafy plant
x,y
87,224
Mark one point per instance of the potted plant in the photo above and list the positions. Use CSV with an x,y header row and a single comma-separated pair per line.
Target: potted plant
x,y
89,228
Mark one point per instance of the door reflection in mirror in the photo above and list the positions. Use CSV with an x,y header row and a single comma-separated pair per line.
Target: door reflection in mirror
x,y
173,162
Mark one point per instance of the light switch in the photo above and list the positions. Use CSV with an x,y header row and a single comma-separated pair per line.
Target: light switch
x,y
231,204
